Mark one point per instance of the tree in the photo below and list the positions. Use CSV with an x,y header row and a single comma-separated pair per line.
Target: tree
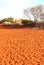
x,y
5,19
26,12
35,12
42,16
10,19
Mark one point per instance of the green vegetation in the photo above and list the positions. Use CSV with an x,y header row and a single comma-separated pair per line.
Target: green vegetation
x,y
10,19
0,21
28,23
16,23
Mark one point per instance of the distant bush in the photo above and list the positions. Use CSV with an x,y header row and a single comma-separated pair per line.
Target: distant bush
x,y
28,23
42,25
0,21
5,19
16,25
39,25
10,19
25,22
32,24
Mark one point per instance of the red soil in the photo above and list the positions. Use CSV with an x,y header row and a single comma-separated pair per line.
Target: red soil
x,y
21,47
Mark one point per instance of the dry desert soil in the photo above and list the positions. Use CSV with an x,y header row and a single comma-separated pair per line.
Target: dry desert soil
x,y
22,46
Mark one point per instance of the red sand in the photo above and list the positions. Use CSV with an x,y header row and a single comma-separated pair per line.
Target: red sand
x,y
21,47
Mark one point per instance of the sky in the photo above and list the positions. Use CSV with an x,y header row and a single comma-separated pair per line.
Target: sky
x,y
14,8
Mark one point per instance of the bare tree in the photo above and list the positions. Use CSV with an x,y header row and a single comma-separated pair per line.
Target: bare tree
x,y
42,16
27,13
35,12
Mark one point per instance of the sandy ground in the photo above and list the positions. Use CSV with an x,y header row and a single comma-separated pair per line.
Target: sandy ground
x,y
21,47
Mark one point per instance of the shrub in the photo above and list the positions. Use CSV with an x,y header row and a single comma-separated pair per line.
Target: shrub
x,y
28,23
10,19
0,21
25,22
32,24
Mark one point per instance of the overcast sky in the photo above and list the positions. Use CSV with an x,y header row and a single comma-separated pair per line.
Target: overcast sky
x,y
14,8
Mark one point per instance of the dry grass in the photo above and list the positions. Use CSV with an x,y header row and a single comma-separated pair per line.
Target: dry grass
x,y
21,47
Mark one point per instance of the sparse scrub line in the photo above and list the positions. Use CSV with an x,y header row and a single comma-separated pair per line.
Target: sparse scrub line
x,y
23,23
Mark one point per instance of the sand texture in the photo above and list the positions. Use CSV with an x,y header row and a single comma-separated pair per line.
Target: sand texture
x,y
21,47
